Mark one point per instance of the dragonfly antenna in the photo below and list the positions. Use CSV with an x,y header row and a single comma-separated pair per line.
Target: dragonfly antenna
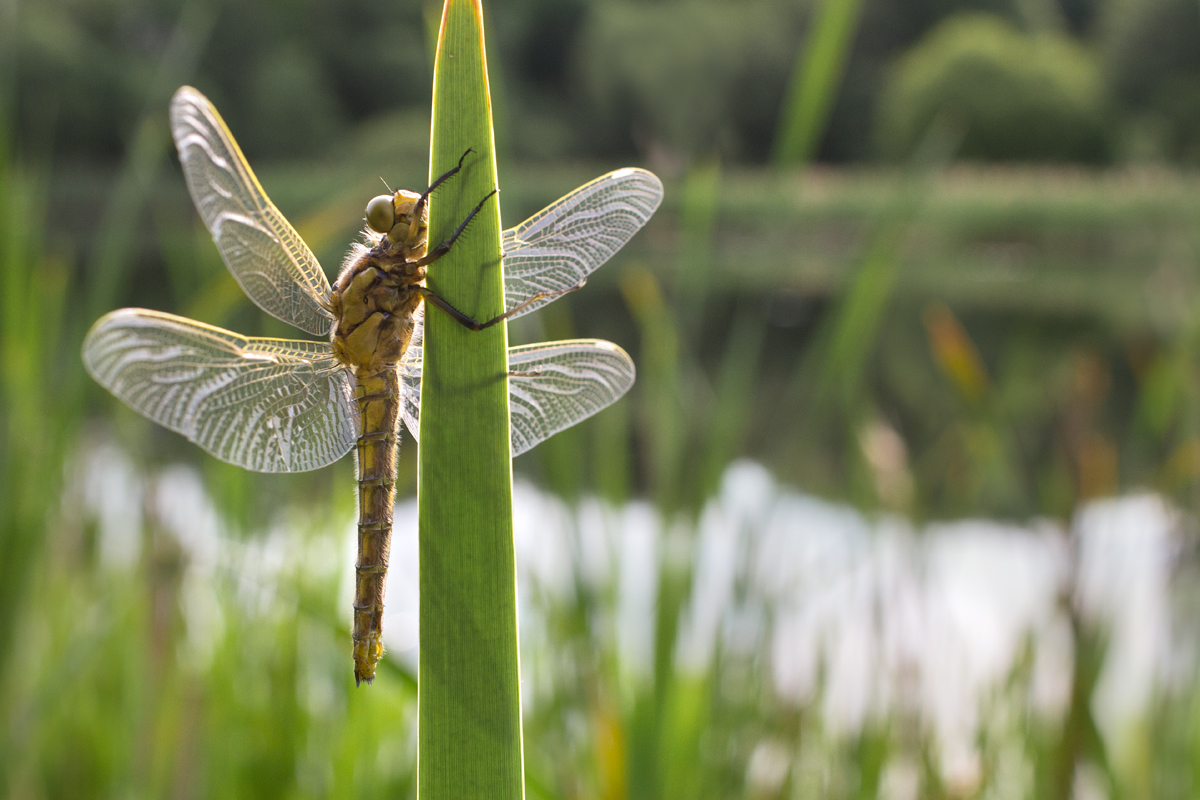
x,y
385,185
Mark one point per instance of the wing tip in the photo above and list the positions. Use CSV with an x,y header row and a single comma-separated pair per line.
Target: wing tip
x,y
107,320
639,172
185,91
648,182
186,96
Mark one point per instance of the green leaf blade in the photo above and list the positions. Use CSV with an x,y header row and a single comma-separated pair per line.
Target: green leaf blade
x,y
469,718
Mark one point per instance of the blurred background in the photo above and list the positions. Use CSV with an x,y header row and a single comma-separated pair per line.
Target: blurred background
x,y
903,503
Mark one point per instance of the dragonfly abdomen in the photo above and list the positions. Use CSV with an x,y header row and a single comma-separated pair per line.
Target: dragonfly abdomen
x,y
378,395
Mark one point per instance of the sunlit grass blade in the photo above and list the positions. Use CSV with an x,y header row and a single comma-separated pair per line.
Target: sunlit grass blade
x,y
815,81
469,695
663,412
848,335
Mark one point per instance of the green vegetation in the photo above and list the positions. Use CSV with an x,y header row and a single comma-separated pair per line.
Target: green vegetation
x,y
1028,337
577,79
815,81
1056,281
1016,96
1153,65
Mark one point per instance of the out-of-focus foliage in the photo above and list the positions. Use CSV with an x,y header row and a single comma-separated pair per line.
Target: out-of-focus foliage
x,y
687,75
288,76
1013,96
671,79
1153,63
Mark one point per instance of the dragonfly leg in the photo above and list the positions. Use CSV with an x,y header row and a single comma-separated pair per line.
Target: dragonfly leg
x,y
445,246
424,199
455,314
476,325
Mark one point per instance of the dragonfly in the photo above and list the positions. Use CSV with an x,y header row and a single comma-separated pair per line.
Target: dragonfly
x,y
291,405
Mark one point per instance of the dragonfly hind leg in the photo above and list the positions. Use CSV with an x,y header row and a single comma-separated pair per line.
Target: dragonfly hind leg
x,y
474,324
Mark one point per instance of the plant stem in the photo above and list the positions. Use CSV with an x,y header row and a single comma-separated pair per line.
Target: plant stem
x,y
469,690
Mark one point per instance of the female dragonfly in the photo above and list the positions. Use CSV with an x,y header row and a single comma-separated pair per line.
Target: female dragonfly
x,y
289,405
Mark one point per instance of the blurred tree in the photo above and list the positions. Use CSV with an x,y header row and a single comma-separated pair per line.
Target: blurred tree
x,y
1016,96
687,76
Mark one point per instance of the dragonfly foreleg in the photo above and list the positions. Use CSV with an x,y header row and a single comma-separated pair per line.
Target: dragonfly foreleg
x,y
445,246
419,209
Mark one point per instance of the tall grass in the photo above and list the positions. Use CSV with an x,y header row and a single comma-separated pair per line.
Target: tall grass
x,y
38,404
815,81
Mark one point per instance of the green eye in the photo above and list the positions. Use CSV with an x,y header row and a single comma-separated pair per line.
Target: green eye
x,y
381,216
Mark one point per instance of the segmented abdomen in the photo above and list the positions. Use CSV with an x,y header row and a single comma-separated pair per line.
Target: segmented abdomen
x,y
378,397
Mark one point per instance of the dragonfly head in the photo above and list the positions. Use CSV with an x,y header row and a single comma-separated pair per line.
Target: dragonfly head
x,y
392,214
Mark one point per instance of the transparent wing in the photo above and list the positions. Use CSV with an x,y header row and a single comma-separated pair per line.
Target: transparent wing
x,y
557,384
558,247
268,258
270,405
410,376
553,385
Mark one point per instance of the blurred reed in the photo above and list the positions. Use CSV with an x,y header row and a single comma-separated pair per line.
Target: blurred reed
x,y
815,81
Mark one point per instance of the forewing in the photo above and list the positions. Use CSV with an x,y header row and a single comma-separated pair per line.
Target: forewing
x,y
558,247
554,385
270,405
268,258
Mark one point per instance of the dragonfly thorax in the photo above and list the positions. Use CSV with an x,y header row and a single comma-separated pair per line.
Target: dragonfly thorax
x,y
374,302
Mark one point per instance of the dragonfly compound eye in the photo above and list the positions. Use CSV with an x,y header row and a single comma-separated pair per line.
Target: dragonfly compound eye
x,y
381,216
